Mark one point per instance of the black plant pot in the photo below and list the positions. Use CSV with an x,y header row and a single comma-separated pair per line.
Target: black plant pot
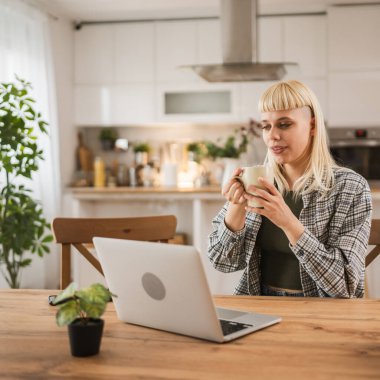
x,y
85,338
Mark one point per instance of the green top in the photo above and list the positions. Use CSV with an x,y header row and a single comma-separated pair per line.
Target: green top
x,y
279,265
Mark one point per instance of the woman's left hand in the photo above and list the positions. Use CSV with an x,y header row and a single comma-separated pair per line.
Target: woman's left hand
x,y
275,209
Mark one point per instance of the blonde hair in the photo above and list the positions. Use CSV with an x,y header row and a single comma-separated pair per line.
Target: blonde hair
x,y
319,173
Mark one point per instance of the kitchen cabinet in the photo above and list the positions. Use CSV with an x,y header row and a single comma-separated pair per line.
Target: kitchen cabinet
x,y
301,39
209,42
92,105
354,65
114,104
94,54
270,39
354,35
354,99
134,52
176,45
305,42
117,86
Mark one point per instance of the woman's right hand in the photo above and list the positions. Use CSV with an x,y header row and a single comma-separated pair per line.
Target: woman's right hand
x,y
233,190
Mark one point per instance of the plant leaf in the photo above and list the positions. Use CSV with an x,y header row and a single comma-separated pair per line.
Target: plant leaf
x,y
67,293
67,313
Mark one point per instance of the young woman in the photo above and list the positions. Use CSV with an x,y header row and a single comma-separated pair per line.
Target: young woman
x,y
311,236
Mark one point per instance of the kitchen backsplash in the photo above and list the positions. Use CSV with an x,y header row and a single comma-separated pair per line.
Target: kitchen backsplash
x,y
167,145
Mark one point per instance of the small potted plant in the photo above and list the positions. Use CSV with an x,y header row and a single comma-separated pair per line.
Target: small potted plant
x,y
81,311
108,137
197,151
141,153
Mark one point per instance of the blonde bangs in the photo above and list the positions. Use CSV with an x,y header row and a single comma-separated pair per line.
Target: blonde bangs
x,y
284,96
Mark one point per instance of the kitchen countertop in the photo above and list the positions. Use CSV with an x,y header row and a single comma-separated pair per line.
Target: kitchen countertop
x,y
120,193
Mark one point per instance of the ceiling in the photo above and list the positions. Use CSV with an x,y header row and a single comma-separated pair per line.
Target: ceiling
x,y
106,10
99,10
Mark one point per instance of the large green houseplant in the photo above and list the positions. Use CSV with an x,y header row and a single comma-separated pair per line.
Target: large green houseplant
x,y
22,224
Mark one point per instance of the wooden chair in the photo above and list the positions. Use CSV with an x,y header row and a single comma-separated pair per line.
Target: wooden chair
x,y
78,232
374,239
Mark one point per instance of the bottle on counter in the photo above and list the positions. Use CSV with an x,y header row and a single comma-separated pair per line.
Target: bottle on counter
x,y
99,173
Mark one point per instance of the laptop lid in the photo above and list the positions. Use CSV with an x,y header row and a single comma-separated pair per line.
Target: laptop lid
x,y
159,285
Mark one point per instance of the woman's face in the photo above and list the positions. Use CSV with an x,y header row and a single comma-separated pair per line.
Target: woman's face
x,y
287,134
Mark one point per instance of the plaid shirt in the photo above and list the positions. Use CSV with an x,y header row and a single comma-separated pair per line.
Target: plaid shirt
x,y
331,251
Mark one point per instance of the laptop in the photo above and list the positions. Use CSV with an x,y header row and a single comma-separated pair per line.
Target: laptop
x,y
164,286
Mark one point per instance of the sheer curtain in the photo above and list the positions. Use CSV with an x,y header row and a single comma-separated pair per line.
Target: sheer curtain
x,y
25,50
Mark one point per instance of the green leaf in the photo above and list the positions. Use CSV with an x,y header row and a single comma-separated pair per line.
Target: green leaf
x,y
67,293
47,239
25,263
92,310
96,293
67,313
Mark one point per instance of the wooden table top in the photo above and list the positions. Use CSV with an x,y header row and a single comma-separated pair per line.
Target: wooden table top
x,y
317,339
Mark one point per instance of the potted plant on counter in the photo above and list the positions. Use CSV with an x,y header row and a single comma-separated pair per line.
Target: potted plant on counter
x,y
141,152
108,137
81,311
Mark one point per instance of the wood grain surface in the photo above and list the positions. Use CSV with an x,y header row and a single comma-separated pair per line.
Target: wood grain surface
x,y
317,339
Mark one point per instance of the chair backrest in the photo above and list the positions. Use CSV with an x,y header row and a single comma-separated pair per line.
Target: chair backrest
x,y
374,239
78,232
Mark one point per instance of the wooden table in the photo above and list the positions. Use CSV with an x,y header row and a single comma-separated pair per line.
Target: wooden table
x,y
317,339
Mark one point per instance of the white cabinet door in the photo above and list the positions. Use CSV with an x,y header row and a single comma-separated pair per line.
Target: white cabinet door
x,y
92,105
134,52
300,39
114,104
354,99
132,104
94,54
270,39
354,38
305,42
176,45
209,42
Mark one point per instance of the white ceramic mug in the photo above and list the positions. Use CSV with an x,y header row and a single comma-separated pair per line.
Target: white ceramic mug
x,y
250,176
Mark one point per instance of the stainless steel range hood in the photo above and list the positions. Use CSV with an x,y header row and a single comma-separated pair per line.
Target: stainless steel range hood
x,y
239,47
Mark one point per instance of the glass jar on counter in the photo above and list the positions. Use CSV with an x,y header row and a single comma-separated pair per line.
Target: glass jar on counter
x,y
122,175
